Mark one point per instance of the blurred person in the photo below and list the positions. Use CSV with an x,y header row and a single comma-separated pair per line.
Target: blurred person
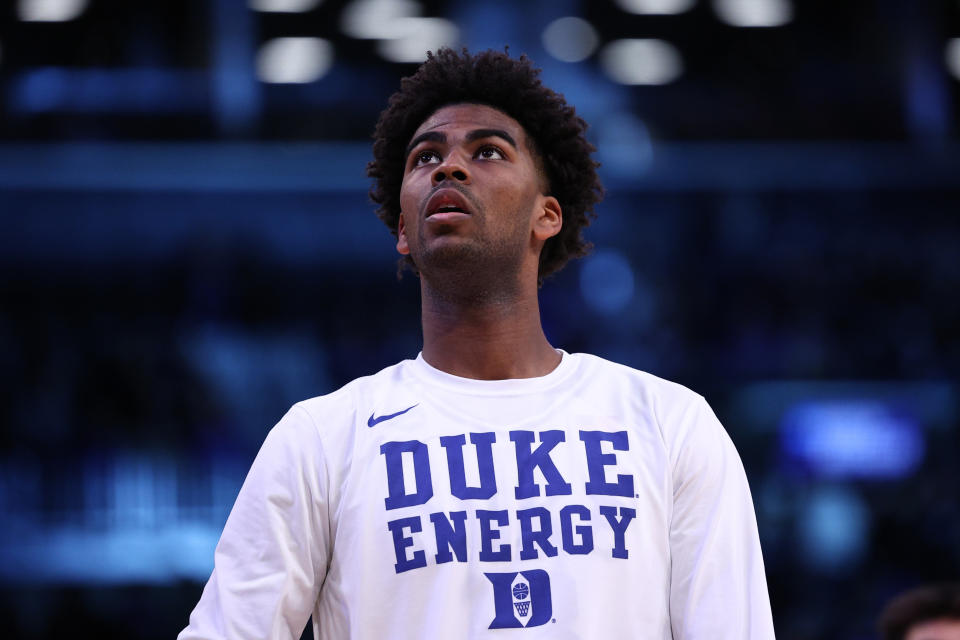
x,y
926,613
494,482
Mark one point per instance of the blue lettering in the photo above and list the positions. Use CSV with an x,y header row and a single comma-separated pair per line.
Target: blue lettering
x,y
540,597
528,460
397,492
533,591
619,527
597,460
488,534
450,536
540,536
503,601
584,531
458,478
401,542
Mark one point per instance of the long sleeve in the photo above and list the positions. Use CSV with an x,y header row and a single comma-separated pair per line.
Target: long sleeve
x,y
272,556
718,587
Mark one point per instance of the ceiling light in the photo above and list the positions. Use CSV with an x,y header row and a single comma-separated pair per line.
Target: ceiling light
x,y
952,55
284,6
641,61
413,37
50,10
754,13
654,7
376,19
570,39
294,60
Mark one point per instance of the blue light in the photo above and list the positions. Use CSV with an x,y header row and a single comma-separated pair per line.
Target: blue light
x,y
834,526
101,90
625,145
65,555
852,438
139,518
607,281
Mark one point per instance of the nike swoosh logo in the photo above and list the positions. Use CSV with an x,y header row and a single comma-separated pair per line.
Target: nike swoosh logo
x,y
372,422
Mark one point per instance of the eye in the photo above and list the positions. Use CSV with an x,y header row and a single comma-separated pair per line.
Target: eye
x,y
425,157
490,152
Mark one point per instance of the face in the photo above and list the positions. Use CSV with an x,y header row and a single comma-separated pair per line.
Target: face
x,y
472,195
943,629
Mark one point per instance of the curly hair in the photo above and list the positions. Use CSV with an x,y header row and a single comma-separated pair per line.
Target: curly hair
x,y
513,86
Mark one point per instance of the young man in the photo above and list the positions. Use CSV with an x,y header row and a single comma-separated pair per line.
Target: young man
x,y
494,482
925,613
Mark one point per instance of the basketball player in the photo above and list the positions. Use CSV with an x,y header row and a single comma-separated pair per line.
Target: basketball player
x,y
494,486
925,613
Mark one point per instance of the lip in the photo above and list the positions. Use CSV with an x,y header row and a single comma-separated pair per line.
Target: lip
x,y
447,198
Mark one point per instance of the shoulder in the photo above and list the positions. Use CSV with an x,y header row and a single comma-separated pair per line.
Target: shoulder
x,y
621,378
344,406
674,410
322,430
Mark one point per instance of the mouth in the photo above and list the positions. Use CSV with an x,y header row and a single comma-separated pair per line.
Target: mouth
x,y
447,203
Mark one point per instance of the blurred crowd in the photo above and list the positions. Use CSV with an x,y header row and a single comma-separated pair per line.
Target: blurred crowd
x,y
159,313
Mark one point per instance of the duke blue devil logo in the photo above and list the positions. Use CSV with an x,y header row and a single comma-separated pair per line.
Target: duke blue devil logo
x,y
521,599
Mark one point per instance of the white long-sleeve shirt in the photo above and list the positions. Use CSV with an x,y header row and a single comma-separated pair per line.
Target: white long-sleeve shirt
x,y
597,501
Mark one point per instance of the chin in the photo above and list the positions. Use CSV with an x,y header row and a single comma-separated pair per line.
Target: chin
x,y
450,253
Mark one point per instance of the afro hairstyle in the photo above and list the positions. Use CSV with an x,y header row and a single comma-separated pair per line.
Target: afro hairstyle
x,y
513,86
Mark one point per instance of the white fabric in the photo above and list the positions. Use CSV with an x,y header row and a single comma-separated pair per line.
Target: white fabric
x,y
310,533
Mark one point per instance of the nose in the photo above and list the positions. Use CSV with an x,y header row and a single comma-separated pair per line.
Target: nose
x,y
452,168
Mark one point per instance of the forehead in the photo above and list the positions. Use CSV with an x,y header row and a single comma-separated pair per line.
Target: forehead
x,y
469,117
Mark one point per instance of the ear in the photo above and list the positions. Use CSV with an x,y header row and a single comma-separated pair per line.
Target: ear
x,y
402,247
548,220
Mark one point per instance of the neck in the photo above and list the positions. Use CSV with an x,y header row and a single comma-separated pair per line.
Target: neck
x,y
488,338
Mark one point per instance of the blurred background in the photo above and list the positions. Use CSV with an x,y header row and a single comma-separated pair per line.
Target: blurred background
x,y
187,248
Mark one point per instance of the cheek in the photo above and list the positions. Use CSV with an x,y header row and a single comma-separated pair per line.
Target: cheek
x,y
408,201
521,201
408,209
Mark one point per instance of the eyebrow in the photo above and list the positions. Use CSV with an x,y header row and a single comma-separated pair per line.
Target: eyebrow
x,y
431,136
476,134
